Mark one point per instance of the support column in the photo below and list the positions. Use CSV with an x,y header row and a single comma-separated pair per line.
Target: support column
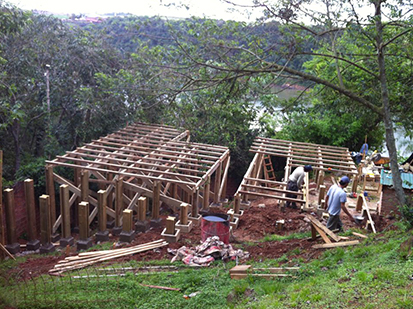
x,y
12,245
142,225
321,194
207,187
45,226
84,241
84,189
127,234
33,243
217,185
118,206
183,224
103,233
355,184
320,179
75,209
110,224
67,239
2,234
50,190
156,220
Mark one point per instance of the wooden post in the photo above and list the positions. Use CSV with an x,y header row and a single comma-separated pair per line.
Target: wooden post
x,y
207,187
102,233
184,214
320,179
102,218
65,210
127,220
359,203
84,189
118,201
321,194
67,239
50,191
354,184
30,209
156,200
2,234
83,220
12,245
217,184
142,205
84,241
237,203
75,215
45,225
195,204
170,225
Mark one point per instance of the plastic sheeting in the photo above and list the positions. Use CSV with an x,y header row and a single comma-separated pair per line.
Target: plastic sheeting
x,y
407,179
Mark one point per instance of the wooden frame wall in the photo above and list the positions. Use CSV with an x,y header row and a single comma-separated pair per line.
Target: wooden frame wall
x,y
321,157
134,161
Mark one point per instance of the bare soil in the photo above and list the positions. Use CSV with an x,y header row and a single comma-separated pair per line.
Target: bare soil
x,y
258,220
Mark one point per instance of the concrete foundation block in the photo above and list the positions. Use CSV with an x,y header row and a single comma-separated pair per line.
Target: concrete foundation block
x,y
84,244
110,224
69,241
116,230
47,248
184,228
33,245
234,223
55,237
102,236
171,238
142,226
127,236
13,248
241,212
156,222
196,221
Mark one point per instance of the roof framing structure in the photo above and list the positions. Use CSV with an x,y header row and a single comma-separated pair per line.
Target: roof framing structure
x,y
144,157
321,157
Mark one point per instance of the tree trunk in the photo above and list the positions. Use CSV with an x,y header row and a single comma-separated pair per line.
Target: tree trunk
x,y
388,124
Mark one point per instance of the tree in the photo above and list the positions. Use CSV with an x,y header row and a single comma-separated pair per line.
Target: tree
x,y
323,23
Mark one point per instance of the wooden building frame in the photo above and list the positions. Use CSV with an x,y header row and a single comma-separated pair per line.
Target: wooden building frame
x,y
155,161
322,158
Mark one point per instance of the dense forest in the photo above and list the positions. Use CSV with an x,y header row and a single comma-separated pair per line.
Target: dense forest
x,y
63,83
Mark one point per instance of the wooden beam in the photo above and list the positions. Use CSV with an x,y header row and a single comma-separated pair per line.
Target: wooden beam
x,y
337,244
322,227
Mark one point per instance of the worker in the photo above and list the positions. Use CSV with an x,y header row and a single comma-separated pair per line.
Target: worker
x,y
295,182
336,201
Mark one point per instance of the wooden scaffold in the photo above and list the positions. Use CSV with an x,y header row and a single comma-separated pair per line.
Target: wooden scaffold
x,y
321,157
153,161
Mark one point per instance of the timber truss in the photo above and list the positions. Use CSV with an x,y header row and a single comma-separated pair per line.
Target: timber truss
x,y
259,183
154,161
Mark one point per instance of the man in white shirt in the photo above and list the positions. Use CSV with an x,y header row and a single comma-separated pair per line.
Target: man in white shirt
x,y
336,201
295,182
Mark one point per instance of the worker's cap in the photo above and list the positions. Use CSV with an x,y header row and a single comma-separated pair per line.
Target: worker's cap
x,y
308,168
344,180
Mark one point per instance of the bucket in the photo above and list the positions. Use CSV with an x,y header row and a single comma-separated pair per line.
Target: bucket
x,y
215,225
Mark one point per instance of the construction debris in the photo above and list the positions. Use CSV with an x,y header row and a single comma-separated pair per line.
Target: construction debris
x,y
211,249
85,259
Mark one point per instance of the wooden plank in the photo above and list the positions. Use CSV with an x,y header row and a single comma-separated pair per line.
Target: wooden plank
x,y
337,244
359,235
366,208
322,234
324,228
272,196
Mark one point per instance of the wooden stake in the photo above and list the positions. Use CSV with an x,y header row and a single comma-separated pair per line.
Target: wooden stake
x,y
127,220
142,204
184,214
83,220
102,218
170,225
237,203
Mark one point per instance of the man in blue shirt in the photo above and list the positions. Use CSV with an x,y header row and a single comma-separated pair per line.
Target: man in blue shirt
x,y
336,201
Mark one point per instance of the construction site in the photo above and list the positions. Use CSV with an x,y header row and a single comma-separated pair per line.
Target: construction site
x,y
148,191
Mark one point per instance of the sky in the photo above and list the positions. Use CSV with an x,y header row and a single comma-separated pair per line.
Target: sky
x,y
215,9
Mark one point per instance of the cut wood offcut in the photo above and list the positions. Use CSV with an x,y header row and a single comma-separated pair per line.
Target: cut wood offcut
x,y
242,271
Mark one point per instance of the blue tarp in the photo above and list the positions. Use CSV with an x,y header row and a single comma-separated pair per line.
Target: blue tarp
x,y
407,179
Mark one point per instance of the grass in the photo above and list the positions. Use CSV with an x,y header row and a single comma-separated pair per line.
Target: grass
x,y
373,274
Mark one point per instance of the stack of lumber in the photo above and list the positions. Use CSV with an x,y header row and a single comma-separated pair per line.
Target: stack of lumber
x,y
325,233
85,259
242,271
